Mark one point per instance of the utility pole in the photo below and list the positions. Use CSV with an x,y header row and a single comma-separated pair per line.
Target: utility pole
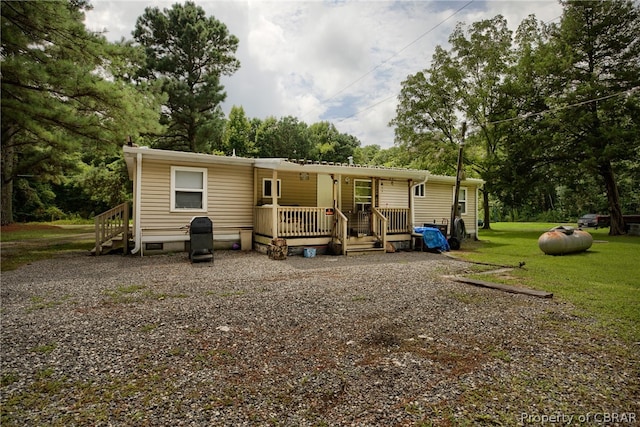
x,y
454,208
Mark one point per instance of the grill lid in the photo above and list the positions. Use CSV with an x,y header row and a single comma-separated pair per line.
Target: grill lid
x,y
200,225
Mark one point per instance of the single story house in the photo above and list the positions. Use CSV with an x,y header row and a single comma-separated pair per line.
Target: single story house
x,y
251,201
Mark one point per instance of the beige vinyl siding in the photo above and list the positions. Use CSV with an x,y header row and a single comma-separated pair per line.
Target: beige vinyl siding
x,y
293,192
347,195
436,205
229,199
470,217
393,194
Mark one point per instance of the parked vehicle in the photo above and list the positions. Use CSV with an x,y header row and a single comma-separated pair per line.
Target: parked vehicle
x,y
605,221
588,220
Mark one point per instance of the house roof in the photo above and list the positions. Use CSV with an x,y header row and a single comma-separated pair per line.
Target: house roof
x,y
452,180
341,169
179,156
130,153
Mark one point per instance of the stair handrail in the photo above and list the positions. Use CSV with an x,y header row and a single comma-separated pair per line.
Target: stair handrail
x,y
379,226
340,230
111,223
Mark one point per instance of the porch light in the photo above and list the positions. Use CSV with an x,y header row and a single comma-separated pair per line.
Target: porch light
x,y
304,176
347,179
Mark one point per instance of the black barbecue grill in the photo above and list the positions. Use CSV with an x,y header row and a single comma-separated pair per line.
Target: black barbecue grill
x,y
201,239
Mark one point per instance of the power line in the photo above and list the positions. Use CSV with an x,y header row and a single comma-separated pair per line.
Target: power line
x,y
524,116
553,19
564,107
366,109
387,60
391,57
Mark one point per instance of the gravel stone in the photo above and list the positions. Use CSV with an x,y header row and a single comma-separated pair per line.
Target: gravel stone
x,y
385,339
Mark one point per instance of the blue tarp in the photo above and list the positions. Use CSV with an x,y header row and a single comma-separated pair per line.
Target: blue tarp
x,y
433,238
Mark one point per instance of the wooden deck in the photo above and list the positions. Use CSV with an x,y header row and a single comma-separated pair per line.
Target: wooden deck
x,y
319,226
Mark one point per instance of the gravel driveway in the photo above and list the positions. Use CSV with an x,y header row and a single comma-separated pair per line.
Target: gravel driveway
x,y
375,340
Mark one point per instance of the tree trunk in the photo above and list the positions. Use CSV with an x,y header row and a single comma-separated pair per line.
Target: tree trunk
x,y
613,197
6,198
7,202
487,213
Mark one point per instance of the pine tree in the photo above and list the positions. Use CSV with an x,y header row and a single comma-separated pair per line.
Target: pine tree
x,y
186,53
58,95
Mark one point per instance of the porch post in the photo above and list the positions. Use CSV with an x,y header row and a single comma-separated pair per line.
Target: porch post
x,y
410,219
374,193
374,204
274,204
334,180
338,188
125,232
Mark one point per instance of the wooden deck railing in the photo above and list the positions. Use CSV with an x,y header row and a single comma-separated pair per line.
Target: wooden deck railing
x,y
294,221
262,221
110,224
397,219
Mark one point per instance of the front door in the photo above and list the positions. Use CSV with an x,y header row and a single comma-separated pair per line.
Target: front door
x,y
362,202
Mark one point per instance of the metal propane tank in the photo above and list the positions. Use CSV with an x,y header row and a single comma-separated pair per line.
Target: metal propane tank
x,y
564,240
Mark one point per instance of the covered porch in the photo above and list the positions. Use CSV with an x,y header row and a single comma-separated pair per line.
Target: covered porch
x,y
320,226
343,207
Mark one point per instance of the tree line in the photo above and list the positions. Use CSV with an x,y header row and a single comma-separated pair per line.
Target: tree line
x,y
71,99
552,110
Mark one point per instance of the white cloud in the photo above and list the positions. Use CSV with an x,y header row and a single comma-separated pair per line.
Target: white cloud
x,y
328,60
268,45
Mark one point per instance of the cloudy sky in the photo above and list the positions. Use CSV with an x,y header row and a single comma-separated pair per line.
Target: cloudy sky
x,y
341,61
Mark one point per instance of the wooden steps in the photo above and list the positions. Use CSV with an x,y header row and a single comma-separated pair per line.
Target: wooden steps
x,y
114,244
363,245
363,251
110,228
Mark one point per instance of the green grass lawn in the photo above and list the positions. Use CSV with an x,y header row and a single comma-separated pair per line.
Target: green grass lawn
x,y
25,243
33,231
602,282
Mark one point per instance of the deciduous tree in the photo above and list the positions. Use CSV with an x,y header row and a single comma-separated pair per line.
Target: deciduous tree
x,y
329,144
236,136
287,137
462,84
597,91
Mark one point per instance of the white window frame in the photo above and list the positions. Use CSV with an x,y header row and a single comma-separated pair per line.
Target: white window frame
x,y
419,190
363,204
264,188
461,200
174,189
